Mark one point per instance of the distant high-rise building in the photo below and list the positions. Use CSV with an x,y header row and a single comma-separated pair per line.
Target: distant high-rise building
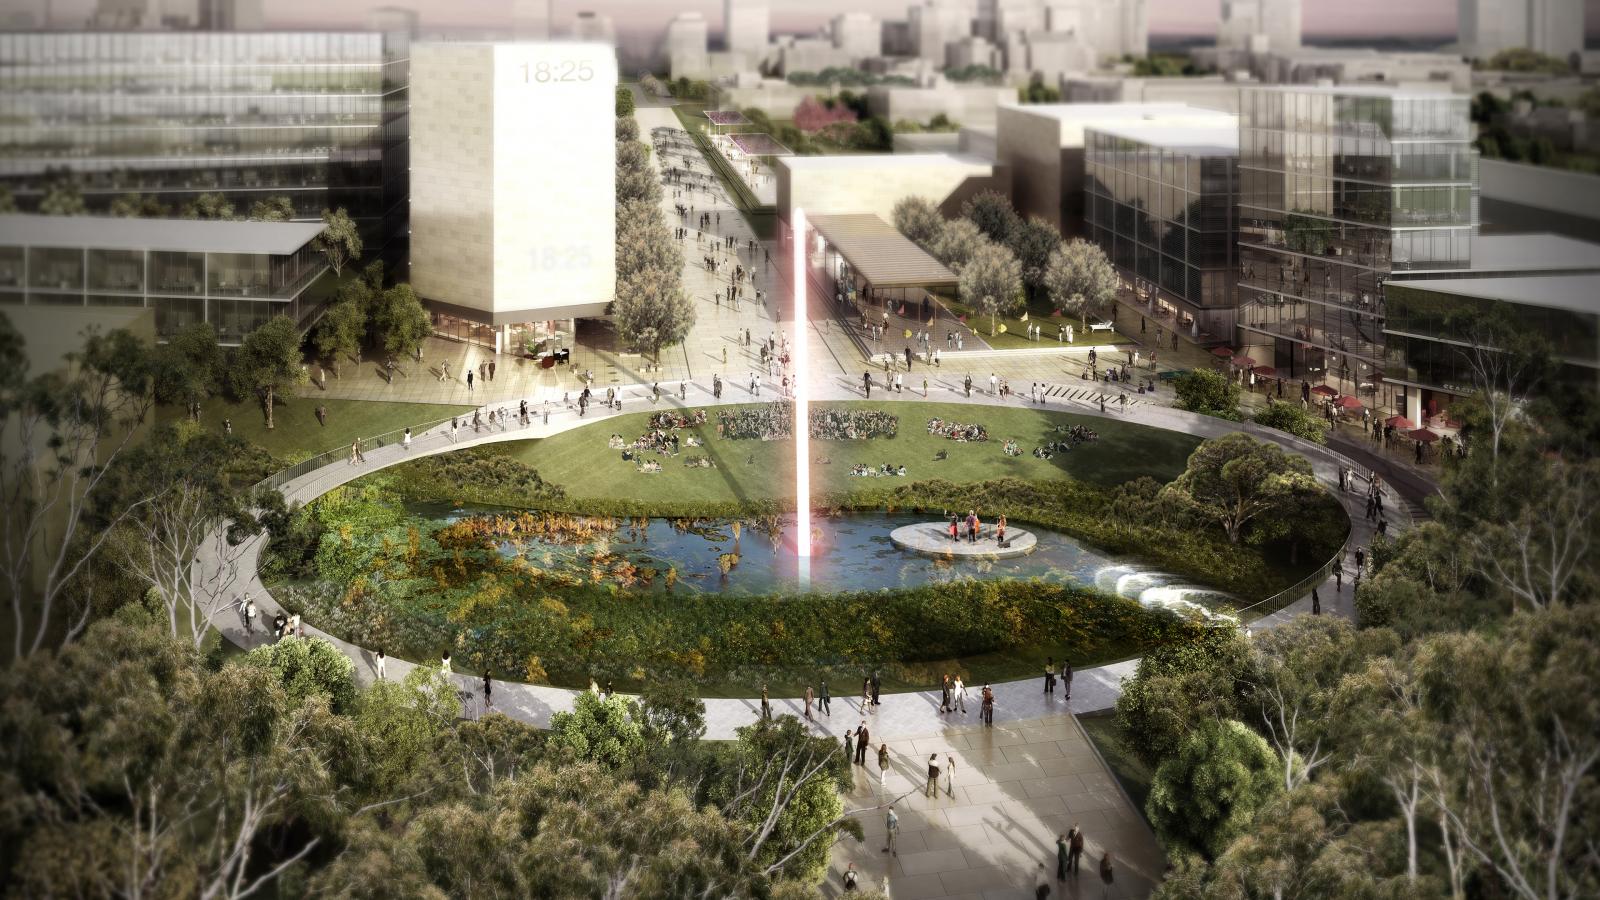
x,y
230,15
937,23
858,34
746,27
685,46
591,26
118,15
1486,27
1277,20
20,15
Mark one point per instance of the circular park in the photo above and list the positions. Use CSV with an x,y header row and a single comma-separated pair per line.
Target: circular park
x,y
660,545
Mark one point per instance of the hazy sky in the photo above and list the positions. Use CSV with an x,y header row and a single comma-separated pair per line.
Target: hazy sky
x,y
1379,17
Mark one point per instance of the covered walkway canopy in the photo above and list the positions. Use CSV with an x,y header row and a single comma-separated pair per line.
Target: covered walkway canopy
x,y
878,254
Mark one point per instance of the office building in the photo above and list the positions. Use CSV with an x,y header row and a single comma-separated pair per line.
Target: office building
x,y
1256,25
514,233
1041,145
1341,187
685,46
230,15
872,183
316,117
235,275
20,15
937,23
1160,201
859,35
746,27
1553,27
966,104
126,15
592,26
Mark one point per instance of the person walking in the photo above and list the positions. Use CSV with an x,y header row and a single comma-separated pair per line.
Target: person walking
x,y
994,385
877,684
352,453
491,370
444,663
248,608
488,690
279,622
892,832
808,703
987,708
823,700
850,745
405,441
322,415
1062,855
766,706
1338,577
1074,848
932,789
1066,680
469,381
949,775
1107,874
1050,675
444,370
960,691
863,741
382,665
883,763
1316,603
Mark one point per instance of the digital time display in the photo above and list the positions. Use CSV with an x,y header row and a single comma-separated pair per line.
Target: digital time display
x,y
557,71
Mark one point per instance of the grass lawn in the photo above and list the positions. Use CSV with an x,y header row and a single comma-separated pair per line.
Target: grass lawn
x,y
297,433
747,470
1115,747
1014,337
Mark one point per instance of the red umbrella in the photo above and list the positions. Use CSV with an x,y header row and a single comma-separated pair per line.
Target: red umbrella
x,y
1349,403
1243,362
1223,352
1423,435
1323,390
1399,422
1265,371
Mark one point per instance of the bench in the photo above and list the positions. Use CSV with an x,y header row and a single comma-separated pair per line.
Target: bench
x,y
1102,326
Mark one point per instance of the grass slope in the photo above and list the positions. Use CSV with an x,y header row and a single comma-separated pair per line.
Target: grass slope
x,y
297,433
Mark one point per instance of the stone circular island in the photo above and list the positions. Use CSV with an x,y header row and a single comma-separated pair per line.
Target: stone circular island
x,y
933,539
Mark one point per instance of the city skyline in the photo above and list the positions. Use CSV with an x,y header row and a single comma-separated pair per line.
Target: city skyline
x,y
1167,17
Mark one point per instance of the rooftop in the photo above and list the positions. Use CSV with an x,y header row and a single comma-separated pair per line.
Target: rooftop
x,y
1073,112
883,161
1191,140
194,236
1578,293
1533,252
1358,90
879,253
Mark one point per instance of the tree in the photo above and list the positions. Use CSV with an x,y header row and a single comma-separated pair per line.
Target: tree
x,y
652,311
211,207
1080,280
991,282
1206,795
401,323
1291,417
920,221
269,362
991,211
1034,242
405,721
1180,684
307,668
636,178
624,102
273,209
138,206
186,367
1208,392
606,731
62,197
340,240
627,129
957,242
62,432
1235,480
340,331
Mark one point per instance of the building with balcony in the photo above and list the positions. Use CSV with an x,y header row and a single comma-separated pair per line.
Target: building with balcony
x,y
1160,201
1340,188
318,118
235,275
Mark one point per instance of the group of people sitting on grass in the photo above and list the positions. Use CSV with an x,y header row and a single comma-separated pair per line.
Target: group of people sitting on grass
x,y
956,431
775,422
699,462
862,470
662,443
1010,448
1071,436
829,424
671,419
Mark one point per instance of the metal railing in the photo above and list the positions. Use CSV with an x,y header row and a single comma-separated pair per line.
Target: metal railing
x,y
306,466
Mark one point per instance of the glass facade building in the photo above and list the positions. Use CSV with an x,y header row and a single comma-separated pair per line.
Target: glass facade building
x,y
316,117
235,275
1339,188
1160,201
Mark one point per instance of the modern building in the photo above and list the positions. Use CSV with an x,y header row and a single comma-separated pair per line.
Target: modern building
x,y
1340,188
1216,92
747,27
513,187
1553,27
1160,201
859,35
318,118
230,15
1519,198
139,14
20,15
1275,22
967,104
235,275
872,183
1040,148
1364,65
685,46
592,26
936,23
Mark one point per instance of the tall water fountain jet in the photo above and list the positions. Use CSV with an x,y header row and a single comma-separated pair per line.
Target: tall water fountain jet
x,y
802,403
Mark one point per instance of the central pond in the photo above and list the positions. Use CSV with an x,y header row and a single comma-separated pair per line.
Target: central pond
x,y
850,553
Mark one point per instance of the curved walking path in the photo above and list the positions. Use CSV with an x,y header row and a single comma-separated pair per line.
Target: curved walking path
x,y
899,715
